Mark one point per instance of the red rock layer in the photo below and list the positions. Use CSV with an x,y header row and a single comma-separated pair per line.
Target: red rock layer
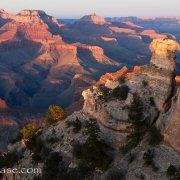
x,y
178,80
3,104
123,30
153,34
137,70
112,76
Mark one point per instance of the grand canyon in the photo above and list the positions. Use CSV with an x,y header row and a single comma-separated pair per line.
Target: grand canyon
x,y
103,72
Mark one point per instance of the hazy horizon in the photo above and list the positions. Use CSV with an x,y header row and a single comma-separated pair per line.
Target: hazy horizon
x,y
78,8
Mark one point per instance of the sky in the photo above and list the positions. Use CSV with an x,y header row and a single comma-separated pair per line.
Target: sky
x,y
106,8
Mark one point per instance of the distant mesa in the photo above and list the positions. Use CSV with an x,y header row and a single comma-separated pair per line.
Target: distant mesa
x,y
92,19
32,13
129,23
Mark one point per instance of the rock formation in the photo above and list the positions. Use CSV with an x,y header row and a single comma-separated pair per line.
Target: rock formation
x,y
169,122
154,83
92,19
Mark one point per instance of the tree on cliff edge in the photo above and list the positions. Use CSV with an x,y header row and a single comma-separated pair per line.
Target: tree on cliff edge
x,y
54,114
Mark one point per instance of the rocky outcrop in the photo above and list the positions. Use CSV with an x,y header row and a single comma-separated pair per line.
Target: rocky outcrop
x,y
161,70
164,54
112,76
96,52
163,155
169,122
154,83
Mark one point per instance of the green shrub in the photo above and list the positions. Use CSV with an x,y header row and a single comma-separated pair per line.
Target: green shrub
x,y
103,89
36,158
84,170
132,157
52,169
121,92
136,111
77,125
133,140
152,103
52,140
8,159
145,83
149,159
38,148
121,79
94,151
155,136
126,148
137,126
92,128
35,144
115,174
55,114
173,172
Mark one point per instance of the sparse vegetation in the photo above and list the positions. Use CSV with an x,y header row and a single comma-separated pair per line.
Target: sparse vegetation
x,y
8,159
55,114
152,103
56,168
115,174
52,140
132,157
94,151
155,136
173,172
38,148
149,159
52,169
136,111
121,92
29,131
34,143
137,125
91,128
144,83
104,90
77,125
121,79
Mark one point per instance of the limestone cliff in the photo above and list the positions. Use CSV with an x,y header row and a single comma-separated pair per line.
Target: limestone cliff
x,y
154,83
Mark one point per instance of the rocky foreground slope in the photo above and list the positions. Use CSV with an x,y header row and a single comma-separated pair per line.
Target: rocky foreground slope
x,y
127,129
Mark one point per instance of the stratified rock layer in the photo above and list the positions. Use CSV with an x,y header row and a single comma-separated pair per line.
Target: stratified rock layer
x,y
94,19
169,122
154,83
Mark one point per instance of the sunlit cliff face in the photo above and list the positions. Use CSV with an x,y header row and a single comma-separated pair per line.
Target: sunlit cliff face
x,y
163,46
